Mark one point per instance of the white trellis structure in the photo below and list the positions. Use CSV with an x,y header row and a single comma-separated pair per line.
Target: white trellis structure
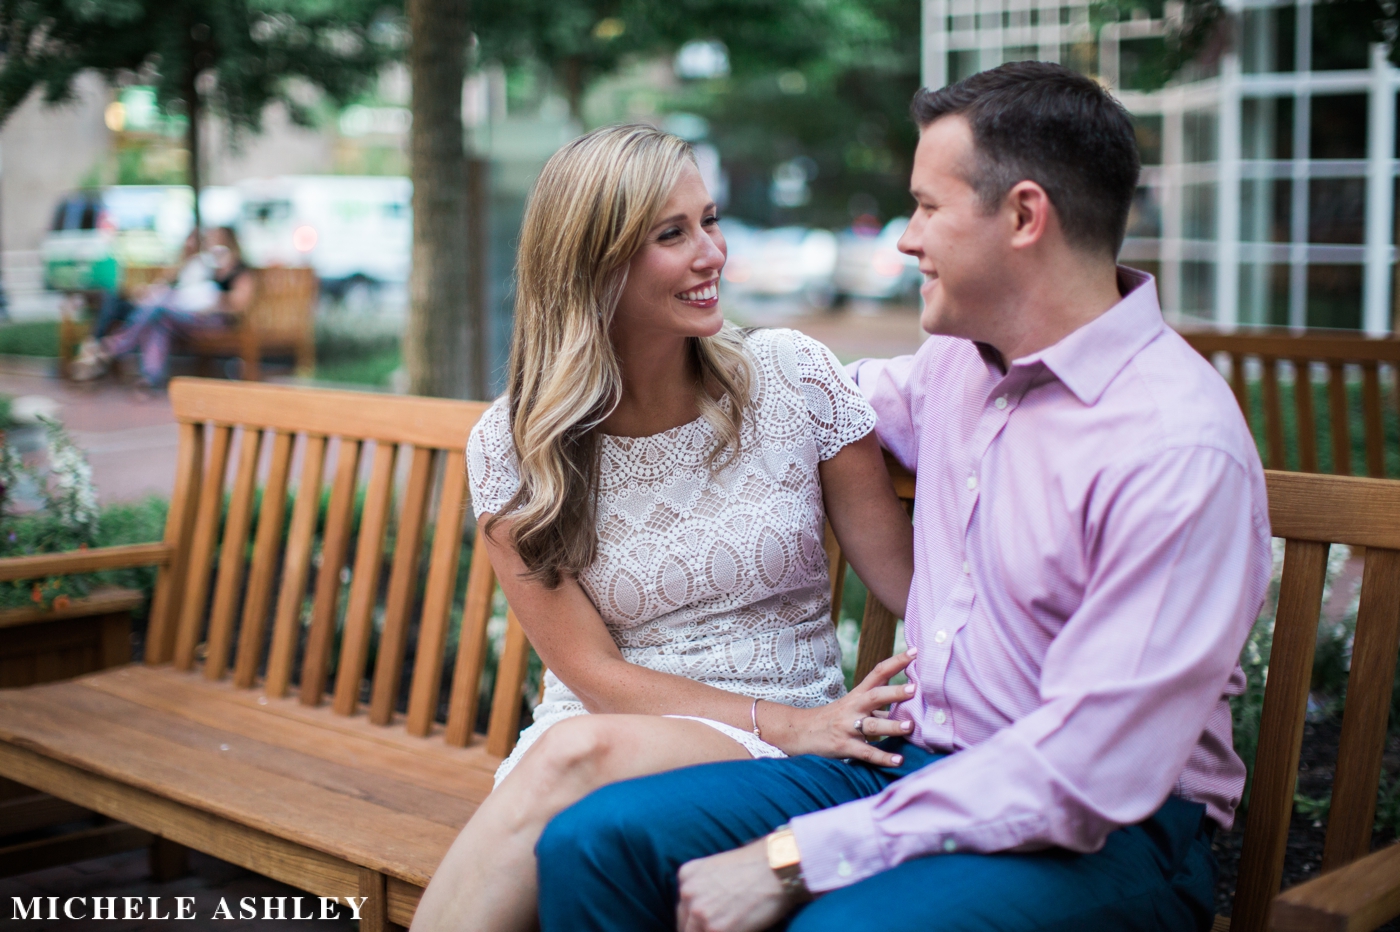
x,y
1268,187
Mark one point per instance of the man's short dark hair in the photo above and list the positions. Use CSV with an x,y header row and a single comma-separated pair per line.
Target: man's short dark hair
x,y
1042,122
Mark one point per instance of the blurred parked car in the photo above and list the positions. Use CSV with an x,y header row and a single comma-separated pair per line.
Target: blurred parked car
x,y
355,231
781,261
97,232
870,265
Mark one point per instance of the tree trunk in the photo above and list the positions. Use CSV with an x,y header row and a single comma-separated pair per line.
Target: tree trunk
x,y
444,344
192,130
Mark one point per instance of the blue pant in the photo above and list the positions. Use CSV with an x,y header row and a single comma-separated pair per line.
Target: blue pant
x,y
609,862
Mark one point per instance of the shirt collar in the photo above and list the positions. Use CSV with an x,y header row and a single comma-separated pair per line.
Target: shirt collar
x,y
1089,358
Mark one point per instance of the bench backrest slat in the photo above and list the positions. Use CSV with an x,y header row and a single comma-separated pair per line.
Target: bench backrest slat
x,y
471,654
334,547
179,527
250,580
264,564
1367,711
364,580
229,586
403,583
1339,351
206,528
296,569
437,598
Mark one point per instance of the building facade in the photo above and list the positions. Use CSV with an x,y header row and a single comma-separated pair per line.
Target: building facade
x,y
1268,186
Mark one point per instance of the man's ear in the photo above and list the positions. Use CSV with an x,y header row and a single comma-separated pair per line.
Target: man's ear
x,y
1031,211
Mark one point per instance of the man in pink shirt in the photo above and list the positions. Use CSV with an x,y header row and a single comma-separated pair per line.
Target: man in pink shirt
x,y
1091,549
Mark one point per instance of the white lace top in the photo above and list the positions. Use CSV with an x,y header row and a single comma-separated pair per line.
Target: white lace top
x,y
721,578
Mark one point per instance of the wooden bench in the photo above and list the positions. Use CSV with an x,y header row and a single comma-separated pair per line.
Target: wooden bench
x,y
1267,347
217,743
280,322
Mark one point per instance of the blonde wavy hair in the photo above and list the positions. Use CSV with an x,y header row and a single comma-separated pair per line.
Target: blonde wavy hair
x,y
588,215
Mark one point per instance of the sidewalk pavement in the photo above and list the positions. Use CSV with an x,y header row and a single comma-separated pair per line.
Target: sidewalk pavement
x,y
131,441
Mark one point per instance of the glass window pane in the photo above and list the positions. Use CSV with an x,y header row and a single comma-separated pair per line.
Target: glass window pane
x,y
1266,206
1266,128
1334,296
1338,127
1337,210
1342,34
1198,132
1198,289
1266,40
1140,63
962,64
1198,211
1264,293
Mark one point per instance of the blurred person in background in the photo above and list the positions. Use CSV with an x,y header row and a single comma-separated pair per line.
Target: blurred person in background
x,y
210,291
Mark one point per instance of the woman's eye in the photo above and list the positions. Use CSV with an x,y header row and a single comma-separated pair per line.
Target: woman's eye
x,y
711,220
669,234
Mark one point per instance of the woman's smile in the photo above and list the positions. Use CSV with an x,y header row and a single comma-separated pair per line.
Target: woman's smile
x,y
705,296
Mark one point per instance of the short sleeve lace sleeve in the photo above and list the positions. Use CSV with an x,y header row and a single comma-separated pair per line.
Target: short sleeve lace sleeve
x,y
491,461
839,413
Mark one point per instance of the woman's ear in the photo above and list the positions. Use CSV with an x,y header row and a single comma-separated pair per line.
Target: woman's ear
x,y
1030,210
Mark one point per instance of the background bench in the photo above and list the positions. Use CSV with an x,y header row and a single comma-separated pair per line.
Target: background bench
x,y
266,726
280,322
1263,349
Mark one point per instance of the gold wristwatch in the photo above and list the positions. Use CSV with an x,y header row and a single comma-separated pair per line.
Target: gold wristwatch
x,y
786,863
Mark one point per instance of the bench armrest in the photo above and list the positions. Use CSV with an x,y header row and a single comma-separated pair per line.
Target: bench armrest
x,y
44,565
1354,898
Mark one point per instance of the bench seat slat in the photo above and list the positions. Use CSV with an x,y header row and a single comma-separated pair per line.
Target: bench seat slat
x,y
125,744
460,772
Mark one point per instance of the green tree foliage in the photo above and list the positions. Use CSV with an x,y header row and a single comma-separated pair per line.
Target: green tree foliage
x,y
255,51
582,40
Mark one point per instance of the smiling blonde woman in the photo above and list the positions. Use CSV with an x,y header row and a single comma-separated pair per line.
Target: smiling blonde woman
x,y
655,485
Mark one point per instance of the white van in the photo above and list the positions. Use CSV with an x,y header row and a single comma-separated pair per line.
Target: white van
x,y
97,232
352,229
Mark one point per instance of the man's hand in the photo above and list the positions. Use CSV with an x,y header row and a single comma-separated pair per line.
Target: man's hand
x,y
731,892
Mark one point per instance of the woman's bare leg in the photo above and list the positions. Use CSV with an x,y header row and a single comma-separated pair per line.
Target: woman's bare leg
x,y
487,881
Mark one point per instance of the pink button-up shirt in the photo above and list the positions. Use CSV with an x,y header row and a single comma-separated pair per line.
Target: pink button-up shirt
x,y
1091,549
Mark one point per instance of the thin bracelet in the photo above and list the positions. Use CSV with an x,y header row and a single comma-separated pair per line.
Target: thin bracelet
x,y
753,714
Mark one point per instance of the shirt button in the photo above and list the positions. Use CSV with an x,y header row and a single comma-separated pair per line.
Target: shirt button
x,y
940,717
1000,403
949,845
940,637
844,869
967,567
972,482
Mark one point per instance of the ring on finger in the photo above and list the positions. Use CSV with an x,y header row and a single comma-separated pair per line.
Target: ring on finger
x,y
860,726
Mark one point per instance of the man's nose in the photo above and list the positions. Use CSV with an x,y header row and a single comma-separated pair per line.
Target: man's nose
x,y
909,239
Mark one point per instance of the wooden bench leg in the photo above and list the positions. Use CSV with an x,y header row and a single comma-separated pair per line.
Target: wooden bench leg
x,y
169,860
374,915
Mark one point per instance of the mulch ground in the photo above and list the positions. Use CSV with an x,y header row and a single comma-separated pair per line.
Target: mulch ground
x,y
1306,835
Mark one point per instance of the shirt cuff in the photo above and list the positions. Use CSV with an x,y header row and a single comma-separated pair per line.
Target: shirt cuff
x,y
839,846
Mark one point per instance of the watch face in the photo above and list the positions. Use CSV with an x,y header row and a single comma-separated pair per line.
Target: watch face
x,y
782,850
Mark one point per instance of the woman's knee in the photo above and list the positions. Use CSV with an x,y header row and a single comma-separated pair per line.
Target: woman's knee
x,y
577,752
